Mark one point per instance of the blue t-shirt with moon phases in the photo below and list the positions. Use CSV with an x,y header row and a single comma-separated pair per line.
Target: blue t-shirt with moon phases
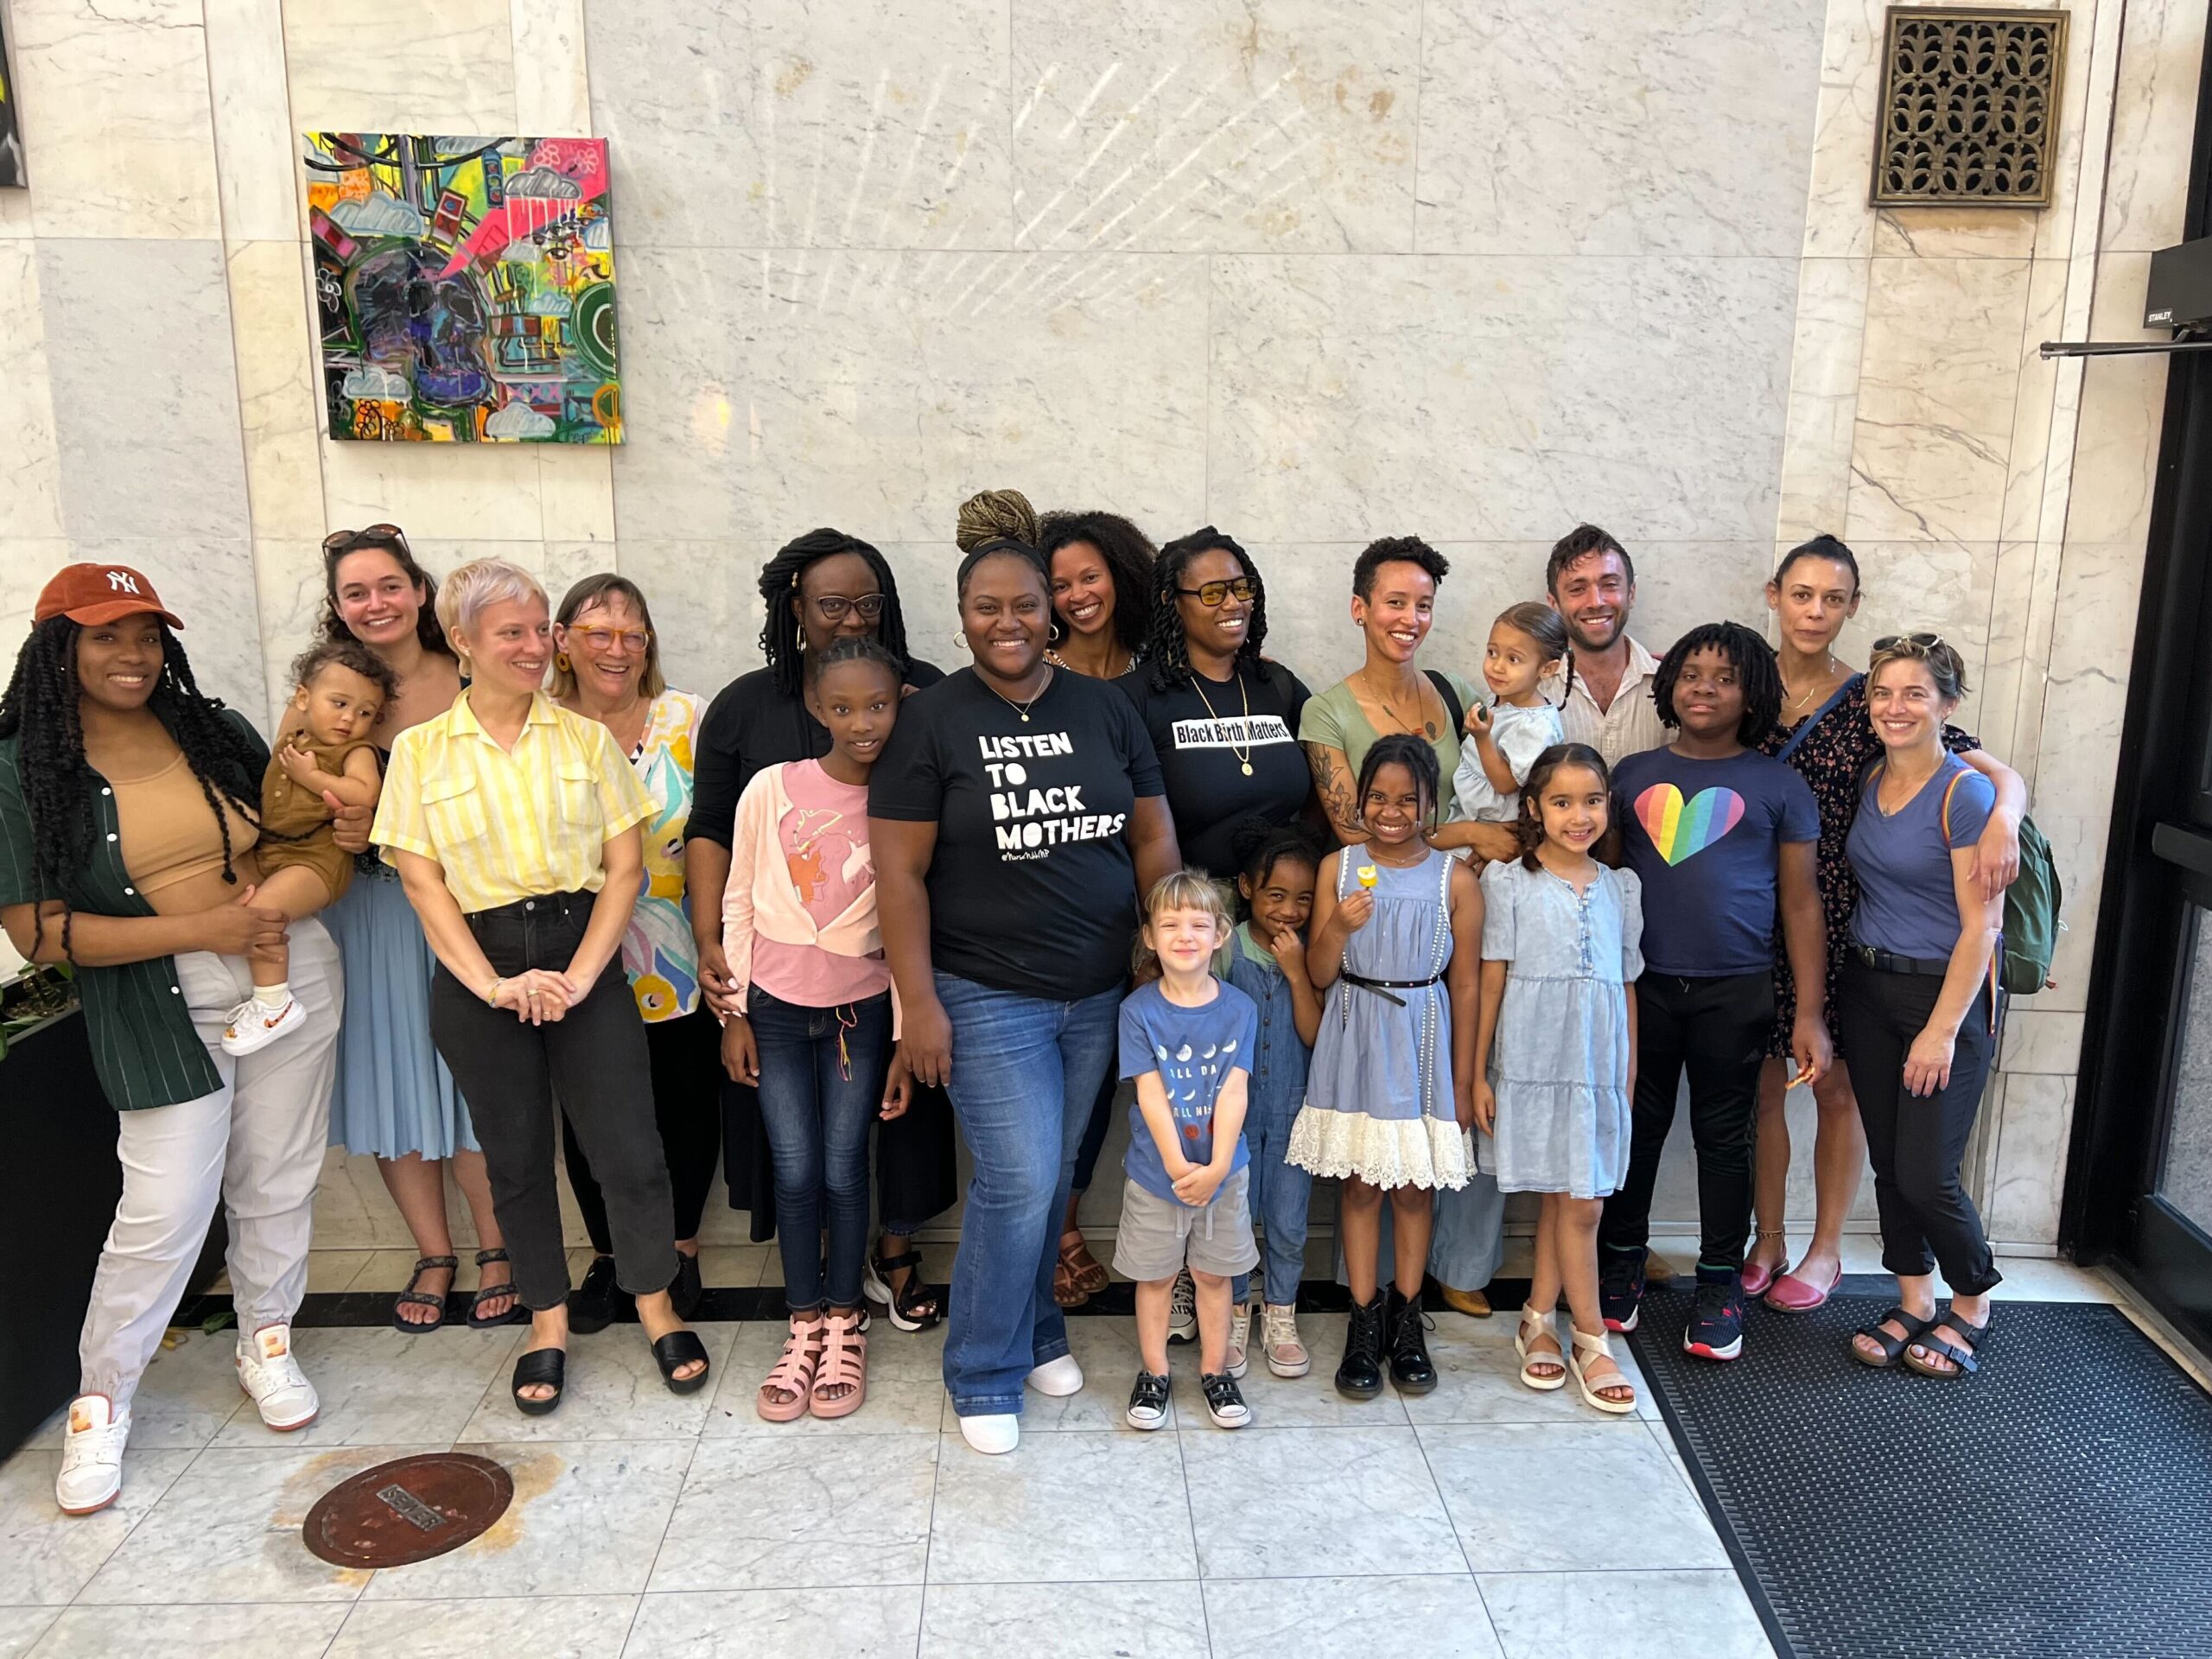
x,y
1194,1050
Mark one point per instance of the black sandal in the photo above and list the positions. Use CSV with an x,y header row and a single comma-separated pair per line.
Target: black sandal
x,y
1891,1347
681,1348
412,1297
1965,1358
540,1367
913,1305
516,1314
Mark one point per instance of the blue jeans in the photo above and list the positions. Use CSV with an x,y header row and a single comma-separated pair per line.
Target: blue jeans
x,y
1025,1072
816,1109
1280,1193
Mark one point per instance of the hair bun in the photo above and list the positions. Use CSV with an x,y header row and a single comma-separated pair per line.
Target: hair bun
x,y
996,515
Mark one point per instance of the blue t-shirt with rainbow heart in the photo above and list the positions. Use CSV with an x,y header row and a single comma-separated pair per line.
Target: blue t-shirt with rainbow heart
x,y
1706,837
1194,1050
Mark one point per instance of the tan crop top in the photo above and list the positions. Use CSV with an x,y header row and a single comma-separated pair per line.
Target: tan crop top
x,y
169,836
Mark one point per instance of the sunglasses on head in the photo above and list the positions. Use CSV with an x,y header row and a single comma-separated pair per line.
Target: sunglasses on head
x,y
345,541
1913,642
1212,593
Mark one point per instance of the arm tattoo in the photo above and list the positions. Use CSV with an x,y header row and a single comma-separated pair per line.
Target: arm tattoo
x,y
1333,782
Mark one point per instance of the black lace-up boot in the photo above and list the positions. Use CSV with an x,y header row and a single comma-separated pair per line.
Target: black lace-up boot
x,y
1360,1376
1411,1369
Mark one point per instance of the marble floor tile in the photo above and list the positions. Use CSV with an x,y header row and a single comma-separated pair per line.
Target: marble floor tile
x,y
229,1531
1284,1502
21,1628
236,1632
572,1627
905,1385
1088,1620
1538,1615
614,1391
760,1513
1062,1509
588,1514
1308,1402
189,1393
379,1386
1107,1350
1478,1379
1525,1493
875,1622
335,1271
47,1557
1439,1616
733,1266
387,1271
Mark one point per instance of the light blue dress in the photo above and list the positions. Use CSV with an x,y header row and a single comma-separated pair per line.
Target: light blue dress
x,y
1559,1063
393,1095
1378,1093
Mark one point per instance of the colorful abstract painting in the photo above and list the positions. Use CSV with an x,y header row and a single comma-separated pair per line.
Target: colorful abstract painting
x,y
464,288
12,171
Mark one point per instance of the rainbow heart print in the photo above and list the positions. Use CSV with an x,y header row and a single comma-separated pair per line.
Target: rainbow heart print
x,y
1682,829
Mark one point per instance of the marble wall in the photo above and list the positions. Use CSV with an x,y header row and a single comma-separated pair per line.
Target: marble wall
x,y
1312,273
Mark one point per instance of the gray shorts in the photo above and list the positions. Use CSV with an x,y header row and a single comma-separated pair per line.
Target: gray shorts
x,y
1159,1237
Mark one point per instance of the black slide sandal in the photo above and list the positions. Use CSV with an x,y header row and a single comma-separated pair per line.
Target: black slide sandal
x,y
681,1348
412,1297
540,1366
516,1314
1967,1359
1891,1347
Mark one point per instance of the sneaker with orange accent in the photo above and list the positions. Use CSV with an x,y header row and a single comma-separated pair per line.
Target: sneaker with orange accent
x,y
252,1025
272,1377
91,1455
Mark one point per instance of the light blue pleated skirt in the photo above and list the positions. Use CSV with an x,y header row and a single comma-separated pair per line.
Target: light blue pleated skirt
x,y
394,1095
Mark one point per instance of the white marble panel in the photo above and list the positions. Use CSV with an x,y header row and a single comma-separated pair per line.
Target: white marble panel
x,y
2093,29
288,586
706,603
754,123
1955,232
552,81
208,582
2031,1172
1906,585
31,503
116,117
876,391
145,396
1504,397
2034,402
1582,126
575,483
2154,122
1174,126
2123,409
400,66
2043,1042
452,491
254,140
1838,222
1825,353
280,389
1934,416
2012,675
2085,706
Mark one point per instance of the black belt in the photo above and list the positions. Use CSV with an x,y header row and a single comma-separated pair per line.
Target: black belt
x,y
1886,961
1382,987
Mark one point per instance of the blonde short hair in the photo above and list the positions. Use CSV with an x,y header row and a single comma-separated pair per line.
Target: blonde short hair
x,y
1180,890
469,592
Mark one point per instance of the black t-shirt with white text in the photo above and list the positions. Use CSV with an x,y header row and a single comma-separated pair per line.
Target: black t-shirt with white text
x,y
1204,735
1031,886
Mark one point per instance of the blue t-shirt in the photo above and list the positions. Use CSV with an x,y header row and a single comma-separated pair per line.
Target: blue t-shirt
x,y
1194,1050
1907,902
1705,838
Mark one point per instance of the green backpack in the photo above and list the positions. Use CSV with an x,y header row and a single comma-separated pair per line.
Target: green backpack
x,y
2031,924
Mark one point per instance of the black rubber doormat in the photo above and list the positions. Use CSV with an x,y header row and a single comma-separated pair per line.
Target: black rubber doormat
x,y
2057,1504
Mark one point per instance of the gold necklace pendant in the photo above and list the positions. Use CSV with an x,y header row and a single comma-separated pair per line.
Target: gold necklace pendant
x,y
1243,755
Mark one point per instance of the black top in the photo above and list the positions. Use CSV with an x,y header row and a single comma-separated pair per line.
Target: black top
x,y
1203,739
750,725
1032,889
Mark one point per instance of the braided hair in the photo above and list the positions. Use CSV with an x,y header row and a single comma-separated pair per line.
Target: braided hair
x,y
1757,672
40,709
1258,846
1529,823
1165,647
853,648
1417,756
782,645
1128,555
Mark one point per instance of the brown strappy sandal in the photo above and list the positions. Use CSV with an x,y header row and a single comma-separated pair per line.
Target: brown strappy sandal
x,y
1077,1276
844,1364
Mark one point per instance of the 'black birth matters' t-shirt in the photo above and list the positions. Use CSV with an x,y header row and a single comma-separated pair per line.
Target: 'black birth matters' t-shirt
x,y
1205,737
1031,889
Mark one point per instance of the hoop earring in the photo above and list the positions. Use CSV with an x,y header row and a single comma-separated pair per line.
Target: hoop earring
x,y
961,640
561,661
1054,633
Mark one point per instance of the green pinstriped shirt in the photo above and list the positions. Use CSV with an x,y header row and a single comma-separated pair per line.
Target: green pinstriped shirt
x,y
144,1050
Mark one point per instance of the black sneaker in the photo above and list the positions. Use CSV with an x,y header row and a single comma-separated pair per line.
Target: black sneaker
x,y
1360,1376
1716,1326
599,1301
1620,1286
1225,1400
1411,1369
1147,1402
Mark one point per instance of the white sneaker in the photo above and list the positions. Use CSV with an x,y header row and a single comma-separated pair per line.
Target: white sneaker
x,y
1183,1310
268,1372
91,1455
997,1432
1055,1378
251,1026
1286,1354
1239,1337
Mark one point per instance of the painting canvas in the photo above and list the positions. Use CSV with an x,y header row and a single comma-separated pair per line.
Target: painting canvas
x,y
12,172
464,288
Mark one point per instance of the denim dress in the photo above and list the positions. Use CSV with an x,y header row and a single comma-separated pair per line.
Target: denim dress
x,y
1281,1190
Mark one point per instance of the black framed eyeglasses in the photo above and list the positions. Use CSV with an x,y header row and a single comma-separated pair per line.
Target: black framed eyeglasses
x,y
1210,594
833,607
1909,642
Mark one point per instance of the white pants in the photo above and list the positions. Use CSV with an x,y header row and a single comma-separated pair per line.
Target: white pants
x,y
257,1143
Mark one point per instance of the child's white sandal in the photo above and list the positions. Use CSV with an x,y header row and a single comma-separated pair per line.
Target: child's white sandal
x,y
1584,1342
1542,1324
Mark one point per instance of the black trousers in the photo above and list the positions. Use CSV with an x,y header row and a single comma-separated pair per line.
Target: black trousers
x,y
1916,1142
509,1070
1716,1030
685,1057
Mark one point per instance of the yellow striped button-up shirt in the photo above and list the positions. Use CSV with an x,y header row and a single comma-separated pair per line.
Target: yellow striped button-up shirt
x,y
508,823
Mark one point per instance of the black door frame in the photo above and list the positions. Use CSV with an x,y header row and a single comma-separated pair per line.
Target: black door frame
x,y
2157,864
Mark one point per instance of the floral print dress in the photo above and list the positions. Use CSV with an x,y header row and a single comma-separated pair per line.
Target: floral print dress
x,y
658,950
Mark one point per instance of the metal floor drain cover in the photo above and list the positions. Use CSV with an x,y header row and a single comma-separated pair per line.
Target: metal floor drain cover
x,y
407,1511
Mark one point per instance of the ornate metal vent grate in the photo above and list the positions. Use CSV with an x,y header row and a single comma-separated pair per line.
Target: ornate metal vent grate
x,y
1969,110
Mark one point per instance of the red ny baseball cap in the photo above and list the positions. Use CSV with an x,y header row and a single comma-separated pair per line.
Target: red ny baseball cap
x,y
92,593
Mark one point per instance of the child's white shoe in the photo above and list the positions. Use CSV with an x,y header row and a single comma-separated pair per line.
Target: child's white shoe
x,y
251,1026
267,1371
91,1455
1183,1310
1286,1354
1240,1339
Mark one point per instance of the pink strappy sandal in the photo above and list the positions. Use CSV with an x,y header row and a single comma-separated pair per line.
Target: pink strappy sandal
x,y
844,1364
793,1375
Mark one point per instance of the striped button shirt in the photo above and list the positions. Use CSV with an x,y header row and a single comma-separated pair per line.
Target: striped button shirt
x,y
145,1052
1630,725
509,824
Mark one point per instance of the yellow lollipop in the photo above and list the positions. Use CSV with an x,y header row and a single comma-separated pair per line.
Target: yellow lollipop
x,y
1367,875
